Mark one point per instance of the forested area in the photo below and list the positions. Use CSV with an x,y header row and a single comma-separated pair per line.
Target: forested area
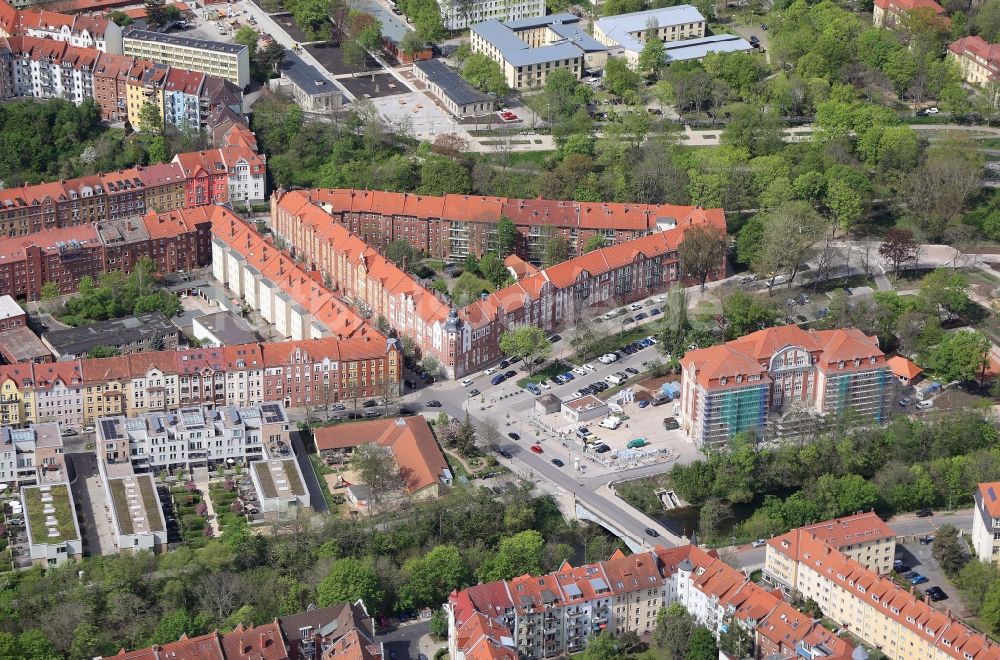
x,y
904,466
403,562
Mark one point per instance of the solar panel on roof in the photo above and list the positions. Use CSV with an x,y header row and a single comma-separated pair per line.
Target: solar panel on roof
x,y
573,590
993,495
109,429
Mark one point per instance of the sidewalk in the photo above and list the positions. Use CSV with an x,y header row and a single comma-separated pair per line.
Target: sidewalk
x,y
200,478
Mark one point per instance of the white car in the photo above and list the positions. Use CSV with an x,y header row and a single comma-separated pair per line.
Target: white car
x,y
590,366
490,371
660,299
635,307
579,371
573,397
759,543
651,338
466,382
924,405
544,385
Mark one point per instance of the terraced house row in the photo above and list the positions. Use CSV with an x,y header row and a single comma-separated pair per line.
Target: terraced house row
x,y
465,340
297,374
561,612
453,226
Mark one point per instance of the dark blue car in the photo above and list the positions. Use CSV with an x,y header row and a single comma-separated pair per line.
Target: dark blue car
x,y
499,378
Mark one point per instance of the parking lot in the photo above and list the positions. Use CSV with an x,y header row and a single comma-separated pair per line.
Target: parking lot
x,y
917,557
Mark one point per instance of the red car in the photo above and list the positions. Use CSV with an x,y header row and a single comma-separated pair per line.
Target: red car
x,y
537,449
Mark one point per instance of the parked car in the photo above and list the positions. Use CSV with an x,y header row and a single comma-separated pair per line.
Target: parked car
x,y
557,462
651,532
634,307
513,436
918,579
504,364
924,513
759,543
568,376
433,403
927,540
473,392
537,448
510,374
370,403
924,405
641,315
371,414
936,594
505,453
544,384
632,370
643,403
579,371
499,378
627,320
602,448
656,311
533,388
905,401
671,423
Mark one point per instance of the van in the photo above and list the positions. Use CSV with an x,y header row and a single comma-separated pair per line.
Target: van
x,y
615,379
611,422
924,405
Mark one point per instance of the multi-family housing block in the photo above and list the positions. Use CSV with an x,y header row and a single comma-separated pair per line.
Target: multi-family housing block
x,y
340,632
295,373
231,173
978,60
986,522
50,522
559,613
894,13
31,455
529,49
176,240
868,604
224,60
465,340
283,291
747,385
131,334
84,31
460,14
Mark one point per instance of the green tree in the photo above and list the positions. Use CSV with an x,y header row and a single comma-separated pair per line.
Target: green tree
x,y
845,203
754,130
947,550
526,342
103,352
120,18
159,150
556,250
507,237
172,625
974,581
351,579
701,645
948,289
36,645
493,270
597,241
412,43
248,37
653,56
519,554
962,355
603,647
745,313
150,119
702,253
736,640
429,579
620,79
377,469
49,291
789,233
439,624
440,176
156,15
485,74
672,632
402,253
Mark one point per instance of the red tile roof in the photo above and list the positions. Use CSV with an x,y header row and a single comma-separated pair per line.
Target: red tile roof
x,y
909,5
850,530
990,494
409,438
904,368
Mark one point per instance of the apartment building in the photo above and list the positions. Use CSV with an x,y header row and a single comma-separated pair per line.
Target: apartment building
x,y
893,13
870,606
195,436
747,385
978,60
296,374
47,69
82,31
986,522
227,174
177,240
50,521
282,290
144,87
343,631
558,613
453,226
458,15
31,455
629,32
466,340
215,58
110,77
11,314
531,48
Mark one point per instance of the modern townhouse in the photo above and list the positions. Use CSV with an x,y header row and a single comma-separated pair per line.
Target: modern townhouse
x,y
50,521
31,455
215,58
750,385
870,606
561,612
468,339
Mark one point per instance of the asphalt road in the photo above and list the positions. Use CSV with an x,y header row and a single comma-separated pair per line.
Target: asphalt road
x,y
588,490
403,642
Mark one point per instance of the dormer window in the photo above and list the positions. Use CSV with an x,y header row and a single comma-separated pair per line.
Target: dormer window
x,y
739,378
841,364
723,380
873,359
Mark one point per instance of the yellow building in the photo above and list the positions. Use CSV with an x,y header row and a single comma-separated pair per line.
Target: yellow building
x,y
978,60
144,87
871,606
10,402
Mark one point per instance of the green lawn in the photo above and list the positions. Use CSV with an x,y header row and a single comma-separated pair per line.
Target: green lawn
x,y
322,470
614,342
64,515
554,369
294,483
530,157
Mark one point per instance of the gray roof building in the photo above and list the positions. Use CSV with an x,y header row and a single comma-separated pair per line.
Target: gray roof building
x,y
132,334
461,98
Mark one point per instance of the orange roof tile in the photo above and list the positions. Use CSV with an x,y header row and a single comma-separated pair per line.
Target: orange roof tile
x,y
904,368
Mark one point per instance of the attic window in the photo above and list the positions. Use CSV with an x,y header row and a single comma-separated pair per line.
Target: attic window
x,y
895,610
873,359
739,378
724,380
857,362
840,365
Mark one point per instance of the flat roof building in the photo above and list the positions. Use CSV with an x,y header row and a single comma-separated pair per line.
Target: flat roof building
x,y
132,334
20,344
458,97
217,58
529,49
584,409
309,88
222,329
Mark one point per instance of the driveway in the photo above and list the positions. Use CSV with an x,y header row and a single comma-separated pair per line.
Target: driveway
x,y
309,474
95,519
919,558
409,640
